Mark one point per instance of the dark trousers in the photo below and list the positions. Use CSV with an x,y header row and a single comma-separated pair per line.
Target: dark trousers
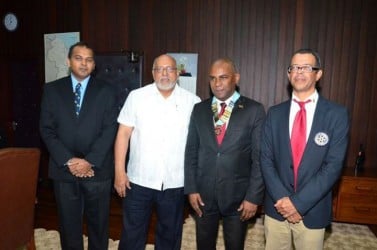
x,y
88,198
207,226
137,210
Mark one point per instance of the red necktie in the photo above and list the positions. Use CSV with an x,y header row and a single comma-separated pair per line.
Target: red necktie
x,y
220,136
298,138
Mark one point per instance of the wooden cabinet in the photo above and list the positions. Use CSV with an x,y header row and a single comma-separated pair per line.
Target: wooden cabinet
x,y
356,197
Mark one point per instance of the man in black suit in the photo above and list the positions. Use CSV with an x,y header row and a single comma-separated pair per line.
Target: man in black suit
x,y
222,173
78,126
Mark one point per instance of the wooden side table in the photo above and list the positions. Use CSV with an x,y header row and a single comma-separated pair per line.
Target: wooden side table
x,y
356,197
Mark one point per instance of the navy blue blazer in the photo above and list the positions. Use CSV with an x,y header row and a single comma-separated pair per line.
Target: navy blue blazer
x,y
320,167
228,174
90,136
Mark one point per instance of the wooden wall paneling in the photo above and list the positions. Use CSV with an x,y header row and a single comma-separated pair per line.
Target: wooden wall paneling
x,y
106,25
189,25
208,30
118,17
299,23
259,36
362,111
269,58
141,32
5,100
248,60
259,50
193,29
371,142
68,14
337,52
169,32
325,40
214,36
371,85
345,57
231,30
97,25
286,38
349,56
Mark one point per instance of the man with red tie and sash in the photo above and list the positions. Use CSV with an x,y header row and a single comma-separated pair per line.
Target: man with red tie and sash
x,y
222,174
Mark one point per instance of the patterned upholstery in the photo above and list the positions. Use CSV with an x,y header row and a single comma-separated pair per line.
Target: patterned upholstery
x,y
123,70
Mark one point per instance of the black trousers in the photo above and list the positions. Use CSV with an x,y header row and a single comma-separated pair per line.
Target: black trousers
x,y
76,200
207,226
137,209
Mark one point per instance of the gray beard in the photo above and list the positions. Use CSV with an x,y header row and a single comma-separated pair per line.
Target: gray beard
x,y
165,87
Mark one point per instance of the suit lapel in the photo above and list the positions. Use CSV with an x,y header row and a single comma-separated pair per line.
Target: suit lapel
x,y
285,127
68,96
232,121
208,118
318,120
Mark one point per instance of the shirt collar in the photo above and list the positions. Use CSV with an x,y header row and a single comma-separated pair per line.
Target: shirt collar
x,y
227,101
313,98
84,83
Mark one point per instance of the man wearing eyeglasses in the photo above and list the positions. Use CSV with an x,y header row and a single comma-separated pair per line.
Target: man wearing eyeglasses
x,y
222,173
304,141
153,125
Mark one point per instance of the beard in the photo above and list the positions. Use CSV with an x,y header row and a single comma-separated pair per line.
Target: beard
x,y
165,86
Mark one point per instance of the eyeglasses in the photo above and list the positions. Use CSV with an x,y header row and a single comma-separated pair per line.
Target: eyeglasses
x,y
168,69
302,68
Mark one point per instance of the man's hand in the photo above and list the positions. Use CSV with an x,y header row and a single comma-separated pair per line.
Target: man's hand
x,y
196,202
295,218
121,183
286,208
80,168
248,210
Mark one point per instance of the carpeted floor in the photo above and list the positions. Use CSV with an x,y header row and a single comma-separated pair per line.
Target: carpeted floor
x,y
342,236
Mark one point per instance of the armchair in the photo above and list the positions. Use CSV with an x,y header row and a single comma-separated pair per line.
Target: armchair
x,y
18,184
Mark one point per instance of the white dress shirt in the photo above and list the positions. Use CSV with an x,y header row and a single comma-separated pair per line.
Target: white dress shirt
x,y
309,107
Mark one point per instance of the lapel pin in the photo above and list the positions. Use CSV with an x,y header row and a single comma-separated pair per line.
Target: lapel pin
x,y
321,139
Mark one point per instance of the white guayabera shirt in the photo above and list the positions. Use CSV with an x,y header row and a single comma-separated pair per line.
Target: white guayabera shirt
x,y
159,134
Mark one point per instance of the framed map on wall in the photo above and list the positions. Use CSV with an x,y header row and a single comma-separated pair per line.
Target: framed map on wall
x,y
56,47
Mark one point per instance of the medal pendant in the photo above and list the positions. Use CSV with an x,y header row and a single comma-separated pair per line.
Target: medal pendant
x,y
217,130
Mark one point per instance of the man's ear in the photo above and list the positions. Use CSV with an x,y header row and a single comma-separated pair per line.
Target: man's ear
x,y
236,78
318,75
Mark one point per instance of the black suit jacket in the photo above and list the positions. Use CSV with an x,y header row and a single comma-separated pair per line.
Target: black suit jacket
x,y
228,174
90,135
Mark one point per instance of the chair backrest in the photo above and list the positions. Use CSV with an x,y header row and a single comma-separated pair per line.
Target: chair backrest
x,y
18,185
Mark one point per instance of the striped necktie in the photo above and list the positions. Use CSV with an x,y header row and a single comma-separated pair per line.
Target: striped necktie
x,y
77,98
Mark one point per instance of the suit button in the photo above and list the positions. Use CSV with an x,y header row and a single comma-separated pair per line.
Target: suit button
x,y
291,166
218,154
291,185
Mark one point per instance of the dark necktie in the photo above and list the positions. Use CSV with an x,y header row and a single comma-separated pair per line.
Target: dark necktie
x,y
222,110
298,138
220,135
77,98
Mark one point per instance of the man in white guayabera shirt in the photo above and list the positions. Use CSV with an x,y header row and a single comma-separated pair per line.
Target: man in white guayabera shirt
x,y
153,125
